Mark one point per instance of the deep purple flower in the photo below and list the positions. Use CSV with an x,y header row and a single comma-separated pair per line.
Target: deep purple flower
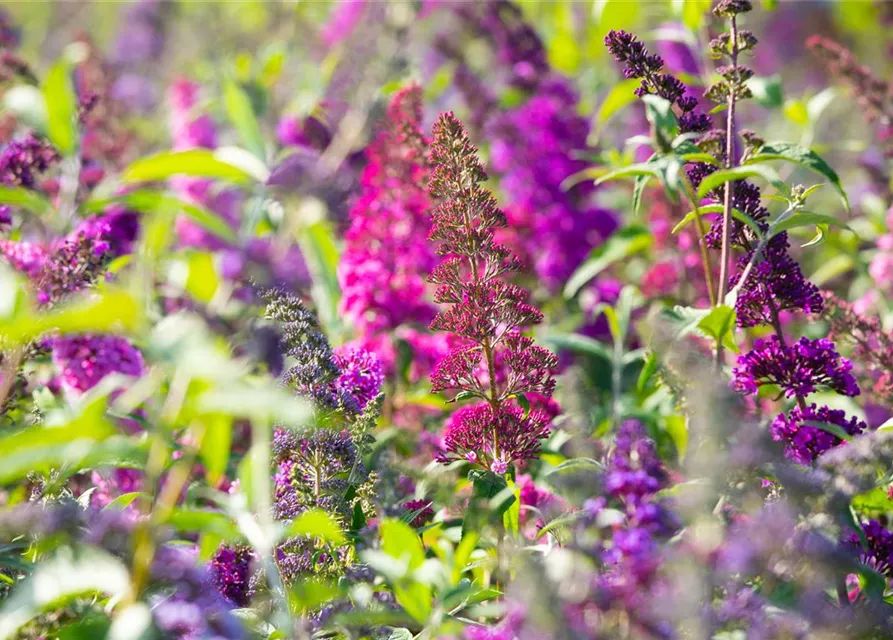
x,y
804,442
231,572
23,160
83,361
799,369
425,512
878,553
361,374
775,284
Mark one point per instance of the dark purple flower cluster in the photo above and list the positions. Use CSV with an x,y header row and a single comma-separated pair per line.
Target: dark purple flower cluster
x,y
312,469
422,509
74,264
533,147
631,556
774,284
803,439
798,369
23,160
231,569
485,310
83,361
627,49
877,552
191,608
360,376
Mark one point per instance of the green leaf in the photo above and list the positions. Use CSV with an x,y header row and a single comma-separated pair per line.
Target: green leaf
x,y
581,344
112,310
719,324
400,541
202,280
659,112
241,114
805,219
620,95
804,157
216,441
307,595
877,499
638,169
683,320
719,178
577,464
25,198
61,106
146,201
316,523
69,573
45,447
622,244
263,402
511,518
123,501
767,90
320,248
203,521
198,163
677,428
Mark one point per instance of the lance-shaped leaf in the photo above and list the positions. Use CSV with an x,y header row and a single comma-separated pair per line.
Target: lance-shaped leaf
x,y
804,157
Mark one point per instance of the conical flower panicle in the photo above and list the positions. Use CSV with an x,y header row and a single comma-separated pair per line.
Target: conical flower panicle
x,y
495,362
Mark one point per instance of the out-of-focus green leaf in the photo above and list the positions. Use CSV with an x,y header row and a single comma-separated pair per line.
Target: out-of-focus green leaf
x,y
241,114
216,441
578,343
767,90
802,156
61,107
316,523
306,595
318,244
620,95
111,310
198,163
146,201
268,402
189,520
622,244
806,219
67,574
24,198
202,280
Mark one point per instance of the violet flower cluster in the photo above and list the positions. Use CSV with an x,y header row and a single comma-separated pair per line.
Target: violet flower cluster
x,y
775,283
534,145
485,310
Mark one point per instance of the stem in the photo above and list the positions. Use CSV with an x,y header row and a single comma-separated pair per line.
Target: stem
x,y
776,324
9,373
702,244
727,200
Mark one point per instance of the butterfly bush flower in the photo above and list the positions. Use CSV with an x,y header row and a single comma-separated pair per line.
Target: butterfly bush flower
x,y
553,227
798,369
804,441
231,571
485,310
385,247
83,361
361,374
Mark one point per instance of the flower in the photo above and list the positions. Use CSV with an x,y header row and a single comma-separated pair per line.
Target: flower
x,y
361,374
803,440
775,284
22,160
799,369
385,246
485,310
230,572
877,553
533,147
493,438
425,512
83,361
25,257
